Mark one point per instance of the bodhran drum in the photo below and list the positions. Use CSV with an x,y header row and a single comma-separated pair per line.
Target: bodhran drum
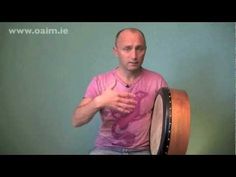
x,y
170,125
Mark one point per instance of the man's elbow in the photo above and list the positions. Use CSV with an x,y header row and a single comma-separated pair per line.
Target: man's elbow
x,y
77,123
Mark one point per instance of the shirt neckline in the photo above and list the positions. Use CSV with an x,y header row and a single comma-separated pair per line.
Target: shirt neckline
x,y
124,83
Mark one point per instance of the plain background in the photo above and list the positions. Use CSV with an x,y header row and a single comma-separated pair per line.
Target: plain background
x,y
44,76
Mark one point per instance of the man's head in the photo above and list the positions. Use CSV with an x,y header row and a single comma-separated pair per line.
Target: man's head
x,y
130,48
134,30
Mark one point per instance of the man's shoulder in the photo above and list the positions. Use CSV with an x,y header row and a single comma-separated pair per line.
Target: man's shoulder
x,y
155,77
104,75
152,73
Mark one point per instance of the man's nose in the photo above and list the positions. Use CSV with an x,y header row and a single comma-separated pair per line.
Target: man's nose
x,y
134,54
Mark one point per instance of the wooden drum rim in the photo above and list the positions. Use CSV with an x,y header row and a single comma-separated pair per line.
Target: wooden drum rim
x,y
176,122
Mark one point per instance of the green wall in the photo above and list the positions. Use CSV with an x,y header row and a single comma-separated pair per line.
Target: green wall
x,y
44,76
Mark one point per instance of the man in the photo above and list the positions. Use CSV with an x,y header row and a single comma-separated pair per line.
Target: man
x,y
124,97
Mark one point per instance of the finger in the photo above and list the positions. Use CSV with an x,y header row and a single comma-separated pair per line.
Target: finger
x,y
123,110
127,95
127,101
126,106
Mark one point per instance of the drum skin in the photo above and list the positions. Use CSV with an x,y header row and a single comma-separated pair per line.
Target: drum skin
x,y
170,125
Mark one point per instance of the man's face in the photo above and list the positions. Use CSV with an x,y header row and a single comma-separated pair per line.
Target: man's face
x,y
130,49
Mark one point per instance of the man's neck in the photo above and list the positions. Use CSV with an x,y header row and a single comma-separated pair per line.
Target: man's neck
x,y
128,76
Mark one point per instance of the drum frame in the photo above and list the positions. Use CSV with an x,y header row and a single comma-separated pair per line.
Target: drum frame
x,y
175,132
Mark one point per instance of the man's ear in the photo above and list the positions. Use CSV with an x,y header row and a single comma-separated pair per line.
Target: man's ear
x,y
114,50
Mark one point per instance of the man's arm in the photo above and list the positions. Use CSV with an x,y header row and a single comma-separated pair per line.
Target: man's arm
x,y
84,112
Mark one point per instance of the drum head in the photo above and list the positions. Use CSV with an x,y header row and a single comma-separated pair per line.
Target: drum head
x,y
160,122
170,125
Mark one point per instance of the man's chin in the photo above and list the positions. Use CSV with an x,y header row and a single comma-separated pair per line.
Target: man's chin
x,y
134,69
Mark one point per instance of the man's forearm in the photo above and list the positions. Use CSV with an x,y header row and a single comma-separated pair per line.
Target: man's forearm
x,y
84,113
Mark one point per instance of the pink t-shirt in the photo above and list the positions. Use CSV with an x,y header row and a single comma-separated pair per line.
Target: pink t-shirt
x,y
121,129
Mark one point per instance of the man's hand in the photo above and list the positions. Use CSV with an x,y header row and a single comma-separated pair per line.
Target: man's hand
x,y
122,101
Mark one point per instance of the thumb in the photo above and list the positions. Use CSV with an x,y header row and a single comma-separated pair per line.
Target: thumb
x,y
112,86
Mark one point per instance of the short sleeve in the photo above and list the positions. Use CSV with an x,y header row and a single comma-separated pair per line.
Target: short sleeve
x,y
164,83
92,89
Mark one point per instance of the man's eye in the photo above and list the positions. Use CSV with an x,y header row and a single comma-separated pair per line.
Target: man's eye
x,y
140,48
127,49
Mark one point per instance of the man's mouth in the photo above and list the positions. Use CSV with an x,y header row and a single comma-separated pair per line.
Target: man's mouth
x,y
133,63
